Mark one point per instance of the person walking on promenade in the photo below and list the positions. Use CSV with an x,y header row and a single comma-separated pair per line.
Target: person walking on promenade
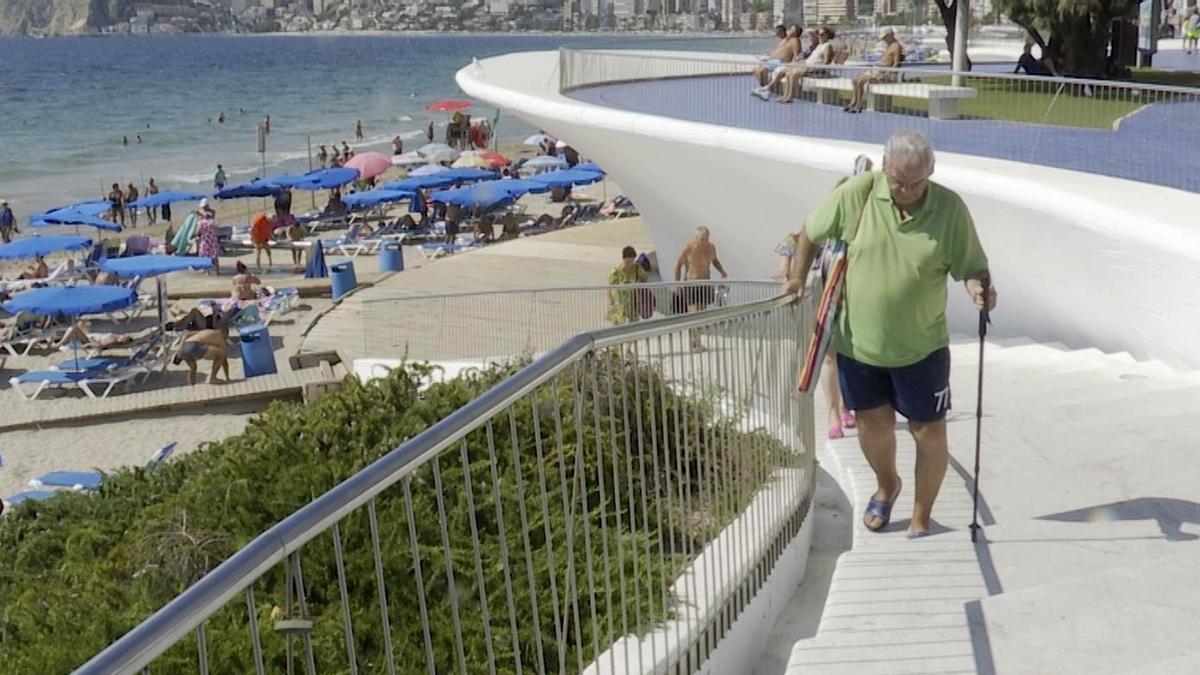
x,y
8,223
1191,30
623,304
905,234
695,262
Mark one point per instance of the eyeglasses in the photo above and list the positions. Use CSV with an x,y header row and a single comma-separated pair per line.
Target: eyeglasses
x,y
905,183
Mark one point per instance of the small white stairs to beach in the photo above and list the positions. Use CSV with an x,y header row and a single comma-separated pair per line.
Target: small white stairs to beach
x,y
1063,430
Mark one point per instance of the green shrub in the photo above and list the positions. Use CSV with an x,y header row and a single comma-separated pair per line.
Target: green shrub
x,y
78,571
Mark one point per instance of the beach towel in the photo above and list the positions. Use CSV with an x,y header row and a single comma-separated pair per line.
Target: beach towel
x,y
260,229
185,234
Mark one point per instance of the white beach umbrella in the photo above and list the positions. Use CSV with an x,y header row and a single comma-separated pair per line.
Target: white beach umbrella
x,y
440,156
408,160
430,148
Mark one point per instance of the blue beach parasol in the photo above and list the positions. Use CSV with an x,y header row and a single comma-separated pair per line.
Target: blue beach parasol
x,y
321,179
370,198
31,247
92,208
77,214
469,174
422,182
316,263
70,302
489,195
255,188
154,265
168,197
64,302
567,178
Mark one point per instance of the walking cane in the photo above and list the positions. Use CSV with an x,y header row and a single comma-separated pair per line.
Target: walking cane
x,y
983,324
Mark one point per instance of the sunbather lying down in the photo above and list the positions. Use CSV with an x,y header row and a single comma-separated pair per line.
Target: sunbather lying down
x,y
204,344
80,332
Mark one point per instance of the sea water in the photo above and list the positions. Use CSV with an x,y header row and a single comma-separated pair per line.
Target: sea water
x,y
66,104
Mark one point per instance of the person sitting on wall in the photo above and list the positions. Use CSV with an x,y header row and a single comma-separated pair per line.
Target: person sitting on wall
x,y
893,56
787,51
814,64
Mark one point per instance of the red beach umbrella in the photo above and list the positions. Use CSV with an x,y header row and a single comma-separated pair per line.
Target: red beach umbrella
x,y
369,164
449,105
495,159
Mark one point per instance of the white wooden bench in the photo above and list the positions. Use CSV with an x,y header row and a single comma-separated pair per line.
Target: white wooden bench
x,y
943,99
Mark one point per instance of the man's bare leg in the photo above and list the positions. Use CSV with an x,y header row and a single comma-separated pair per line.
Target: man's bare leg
x,y
932,453
218,361
191,372
877,438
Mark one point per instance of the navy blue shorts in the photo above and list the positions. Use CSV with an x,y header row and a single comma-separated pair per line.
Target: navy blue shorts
x,y
920,392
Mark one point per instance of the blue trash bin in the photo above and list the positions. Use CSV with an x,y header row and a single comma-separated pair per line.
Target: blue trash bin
x,y
257,356
391,257
341,278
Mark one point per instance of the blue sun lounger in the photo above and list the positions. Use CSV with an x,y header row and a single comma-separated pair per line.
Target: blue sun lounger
x,y
90,480
29,495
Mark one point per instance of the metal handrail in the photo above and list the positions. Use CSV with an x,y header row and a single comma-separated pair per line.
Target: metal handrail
x,y
651,285
140,646
746,59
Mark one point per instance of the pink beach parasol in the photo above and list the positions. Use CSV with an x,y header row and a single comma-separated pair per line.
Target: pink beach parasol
x,y
369,164
495,159
449,105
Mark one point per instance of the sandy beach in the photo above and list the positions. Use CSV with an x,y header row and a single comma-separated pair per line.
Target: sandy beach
x,y
129,439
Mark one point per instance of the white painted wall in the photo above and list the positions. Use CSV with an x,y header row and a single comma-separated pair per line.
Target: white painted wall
x,y
1081,259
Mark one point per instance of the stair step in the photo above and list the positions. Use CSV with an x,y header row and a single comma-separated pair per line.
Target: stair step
x,y
1140,613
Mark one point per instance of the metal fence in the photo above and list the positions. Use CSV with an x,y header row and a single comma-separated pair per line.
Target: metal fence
x,y
483,326
612,506
1120,129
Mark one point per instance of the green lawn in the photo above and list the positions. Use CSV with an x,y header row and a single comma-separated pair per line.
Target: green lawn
x,y
1056,101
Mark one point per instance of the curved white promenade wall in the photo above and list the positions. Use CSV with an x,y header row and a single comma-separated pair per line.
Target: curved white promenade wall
x,y
1078,258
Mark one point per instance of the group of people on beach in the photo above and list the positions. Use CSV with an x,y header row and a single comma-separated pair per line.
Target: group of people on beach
x,y
332,156
123,212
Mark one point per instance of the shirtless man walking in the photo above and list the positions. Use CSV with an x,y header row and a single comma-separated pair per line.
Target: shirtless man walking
x,y
205,344
695,262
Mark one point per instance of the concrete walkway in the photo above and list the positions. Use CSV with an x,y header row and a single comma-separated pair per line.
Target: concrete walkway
x,y
577,256
1087,560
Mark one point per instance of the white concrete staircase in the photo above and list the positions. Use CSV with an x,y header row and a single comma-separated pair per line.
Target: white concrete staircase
x,y
1055,585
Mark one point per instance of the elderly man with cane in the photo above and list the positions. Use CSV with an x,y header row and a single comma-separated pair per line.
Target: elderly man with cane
x,y
904,234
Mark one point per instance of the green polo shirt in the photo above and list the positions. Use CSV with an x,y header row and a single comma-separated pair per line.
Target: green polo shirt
x,y
894,312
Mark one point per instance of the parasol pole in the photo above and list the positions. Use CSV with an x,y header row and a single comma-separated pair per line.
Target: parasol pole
x,y
312,193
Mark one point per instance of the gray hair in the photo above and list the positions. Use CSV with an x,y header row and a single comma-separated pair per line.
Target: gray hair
x,y
702,230
910,149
